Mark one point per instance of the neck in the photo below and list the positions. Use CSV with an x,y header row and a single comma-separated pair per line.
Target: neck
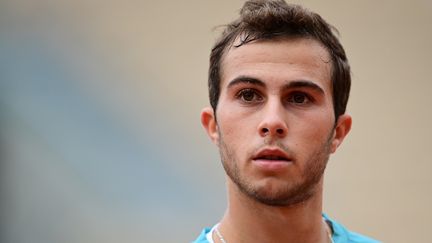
x,y
247,220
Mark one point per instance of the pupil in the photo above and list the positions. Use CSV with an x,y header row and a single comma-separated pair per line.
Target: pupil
x,y
299,98
248,95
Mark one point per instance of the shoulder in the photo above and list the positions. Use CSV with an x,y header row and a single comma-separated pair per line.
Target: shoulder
x,y
202,237
343,235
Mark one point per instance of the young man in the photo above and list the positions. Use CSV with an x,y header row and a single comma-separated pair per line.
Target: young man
x,y
279,83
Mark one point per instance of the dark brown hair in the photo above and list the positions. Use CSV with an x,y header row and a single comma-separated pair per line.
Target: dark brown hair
x,y
271,19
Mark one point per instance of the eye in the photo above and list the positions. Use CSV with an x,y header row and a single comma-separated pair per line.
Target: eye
x,y
299,98
249,95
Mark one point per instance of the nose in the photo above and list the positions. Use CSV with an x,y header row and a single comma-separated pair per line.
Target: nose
x,y
273,123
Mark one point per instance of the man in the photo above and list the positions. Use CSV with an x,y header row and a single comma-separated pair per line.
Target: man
x,y
279,83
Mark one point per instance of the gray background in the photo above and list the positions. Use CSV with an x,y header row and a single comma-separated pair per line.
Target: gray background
x,y
100,131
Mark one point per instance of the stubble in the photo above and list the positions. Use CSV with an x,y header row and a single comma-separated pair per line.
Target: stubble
x,y
288,193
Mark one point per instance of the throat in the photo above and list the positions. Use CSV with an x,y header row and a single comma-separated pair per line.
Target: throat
x,y
248,220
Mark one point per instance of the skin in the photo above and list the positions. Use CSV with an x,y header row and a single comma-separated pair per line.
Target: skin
x,y
275,129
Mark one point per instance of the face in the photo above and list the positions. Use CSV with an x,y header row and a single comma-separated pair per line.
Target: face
x,y
274,124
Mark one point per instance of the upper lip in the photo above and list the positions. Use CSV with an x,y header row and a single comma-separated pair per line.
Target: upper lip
x,y
271,154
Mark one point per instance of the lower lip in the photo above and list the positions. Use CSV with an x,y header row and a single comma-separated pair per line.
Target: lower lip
x,y
272,164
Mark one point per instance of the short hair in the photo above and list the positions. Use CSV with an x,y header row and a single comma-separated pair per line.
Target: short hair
x,y
272,19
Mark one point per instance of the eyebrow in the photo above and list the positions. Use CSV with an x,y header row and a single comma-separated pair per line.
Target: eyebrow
x,y
246,79
290,85
304,84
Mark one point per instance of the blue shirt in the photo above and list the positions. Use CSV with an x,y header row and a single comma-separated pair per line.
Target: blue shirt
x,y
340,234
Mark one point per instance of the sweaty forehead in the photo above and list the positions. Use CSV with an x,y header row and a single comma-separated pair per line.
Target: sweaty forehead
x,y
302,56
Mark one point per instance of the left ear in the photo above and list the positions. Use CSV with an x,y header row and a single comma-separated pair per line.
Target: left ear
x,y
343,126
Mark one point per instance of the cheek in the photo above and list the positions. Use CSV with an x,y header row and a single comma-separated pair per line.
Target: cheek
x,y
230,135
236,133
313,129
321,120
231,120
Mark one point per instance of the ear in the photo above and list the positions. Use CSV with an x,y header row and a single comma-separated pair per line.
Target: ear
x,y
342,129
208,120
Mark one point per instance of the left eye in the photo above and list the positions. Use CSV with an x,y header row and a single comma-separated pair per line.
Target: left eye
x,y
299,98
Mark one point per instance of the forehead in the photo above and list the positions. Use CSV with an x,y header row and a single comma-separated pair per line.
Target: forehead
x,y
287,59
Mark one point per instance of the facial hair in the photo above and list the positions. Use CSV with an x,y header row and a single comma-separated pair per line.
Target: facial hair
x,y
291,193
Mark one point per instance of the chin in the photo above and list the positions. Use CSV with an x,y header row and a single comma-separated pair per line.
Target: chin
x,y
274,192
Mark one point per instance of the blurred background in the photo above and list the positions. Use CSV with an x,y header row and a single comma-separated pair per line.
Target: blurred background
x,y
100,133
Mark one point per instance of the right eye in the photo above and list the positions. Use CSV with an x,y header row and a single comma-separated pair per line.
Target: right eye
x,y
249,96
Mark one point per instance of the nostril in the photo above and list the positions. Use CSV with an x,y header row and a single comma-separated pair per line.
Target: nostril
x,y
273,132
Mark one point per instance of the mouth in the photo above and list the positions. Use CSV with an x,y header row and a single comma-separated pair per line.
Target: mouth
x,y
272,160
272,155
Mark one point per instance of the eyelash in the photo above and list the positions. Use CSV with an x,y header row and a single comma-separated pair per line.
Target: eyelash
x,y
307,98
257,97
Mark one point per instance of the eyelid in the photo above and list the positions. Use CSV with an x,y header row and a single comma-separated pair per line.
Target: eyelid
x,y
243,89
309,97
257,93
